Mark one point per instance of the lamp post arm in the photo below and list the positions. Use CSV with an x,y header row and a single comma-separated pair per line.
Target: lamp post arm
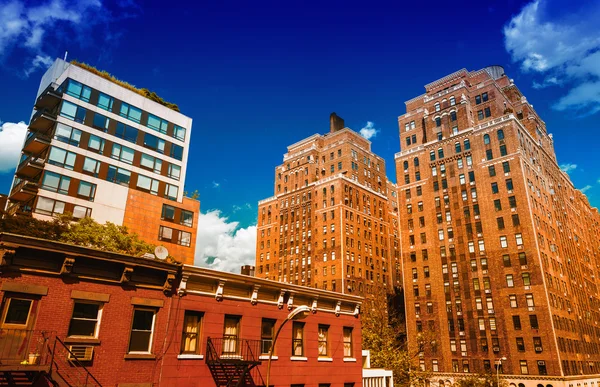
x,y
273,348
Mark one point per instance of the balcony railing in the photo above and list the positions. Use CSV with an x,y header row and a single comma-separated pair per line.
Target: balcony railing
x,y
30,167
20,347
49,98
233,361
43,121
36,142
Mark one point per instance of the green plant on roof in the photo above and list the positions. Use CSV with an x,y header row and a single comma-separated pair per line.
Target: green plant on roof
x,y
143,92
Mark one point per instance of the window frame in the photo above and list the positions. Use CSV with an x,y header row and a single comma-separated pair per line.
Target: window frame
x,y
150,338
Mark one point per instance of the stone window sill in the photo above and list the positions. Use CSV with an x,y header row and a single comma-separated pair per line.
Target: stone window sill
x,y
189,356
298,358
139,356
325,359
266,357
349,359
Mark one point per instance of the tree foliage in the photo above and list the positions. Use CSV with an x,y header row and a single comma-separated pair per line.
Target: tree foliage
x,y
85,232
480,380
382,330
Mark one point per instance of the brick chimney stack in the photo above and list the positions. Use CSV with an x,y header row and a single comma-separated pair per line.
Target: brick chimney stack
x,y
335,123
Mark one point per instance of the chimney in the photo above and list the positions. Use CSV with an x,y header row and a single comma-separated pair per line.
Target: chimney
x,y
335,123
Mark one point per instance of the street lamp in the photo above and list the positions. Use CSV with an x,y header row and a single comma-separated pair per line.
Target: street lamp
x,y
498,370
297,314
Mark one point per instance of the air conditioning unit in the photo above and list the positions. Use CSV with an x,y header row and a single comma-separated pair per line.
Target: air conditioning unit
x,y
81,352
538,349
496,349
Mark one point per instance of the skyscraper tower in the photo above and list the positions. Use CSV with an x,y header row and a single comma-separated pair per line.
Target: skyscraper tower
x,y
98,147
499,250
331,222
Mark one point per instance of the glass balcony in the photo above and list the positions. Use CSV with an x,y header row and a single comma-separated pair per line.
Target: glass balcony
x,y
42,121
36,142
30,167
49,98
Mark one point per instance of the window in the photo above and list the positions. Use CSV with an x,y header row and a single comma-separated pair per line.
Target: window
x,y
154,143
142,330
47,206
91,166
297,339
85,319
495,188
130,112
96,144
432,156
516,321
440,152
506,166
480,114
56,183
487,111
526,279
192,328
453,116
506,260
467,144
523,366
489,154
519,239
174,171
347,342
78,90
151,163
118,175
67,134
512,201
437,106
497,205
86,190
267,331
509,281
171,191
101,122
231,331
148,184
157,123
123,153
486,139
438,122
165,233
492,170
168,212
72,112
500,222
126,132
503,151
503,241
17,312
533,321
62,158
187,218
184,238
500,134
179,132
80,212
515,219
176,152
105,102
542,367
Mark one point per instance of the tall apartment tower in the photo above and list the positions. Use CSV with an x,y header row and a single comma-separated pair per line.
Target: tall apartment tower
x,y
96,148
330,224
500,251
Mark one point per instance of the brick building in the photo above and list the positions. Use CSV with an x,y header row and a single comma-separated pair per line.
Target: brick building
x,y
499,249
89,317
331,222
97,148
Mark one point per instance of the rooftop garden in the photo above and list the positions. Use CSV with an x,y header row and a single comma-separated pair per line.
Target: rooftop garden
x,y
143,92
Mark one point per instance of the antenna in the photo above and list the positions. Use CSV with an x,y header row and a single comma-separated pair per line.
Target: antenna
x,y
161,252
66,53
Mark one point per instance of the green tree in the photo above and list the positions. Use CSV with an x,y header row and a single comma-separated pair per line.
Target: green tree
x,y
110,237
85,232
480,380
382,330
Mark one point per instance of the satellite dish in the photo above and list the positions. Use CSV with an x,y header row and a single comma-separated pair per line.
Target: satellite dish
x,y
161,252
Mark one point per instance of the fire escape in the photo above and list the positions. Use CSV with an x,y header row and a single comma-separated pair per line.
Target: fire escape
x,y
233,361
40,359
31,165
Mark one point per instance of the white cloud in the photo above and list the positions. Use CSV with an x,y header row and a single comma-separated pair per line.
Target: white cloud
x,y
27,26
12,137
246,206
369,130
215,184
568,167
222,245
562,46
586,188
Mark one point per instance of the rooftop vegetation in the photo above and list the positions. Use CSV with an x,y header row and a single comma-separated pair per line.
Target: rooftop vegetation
x,y
143,92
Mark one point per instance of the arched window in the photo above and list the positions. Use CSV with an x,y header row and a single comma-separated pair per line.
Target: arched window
x,y
438,121
453,116
416,161
457,147
486,139
405,164
432,155
437,106
500,134
467,144
440,153
452,101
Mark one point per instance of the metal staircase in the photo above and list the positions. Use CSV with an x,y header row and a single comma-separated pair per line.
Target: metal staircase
x,y
233,362
40,359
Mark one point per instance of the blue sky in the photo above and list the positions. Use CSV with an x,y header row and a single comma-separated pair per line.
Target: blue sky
x,y
258,76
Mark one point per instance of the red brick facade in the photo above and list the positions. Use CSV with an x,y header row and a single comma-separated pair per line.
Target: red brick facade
x,y
59,277
499,250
